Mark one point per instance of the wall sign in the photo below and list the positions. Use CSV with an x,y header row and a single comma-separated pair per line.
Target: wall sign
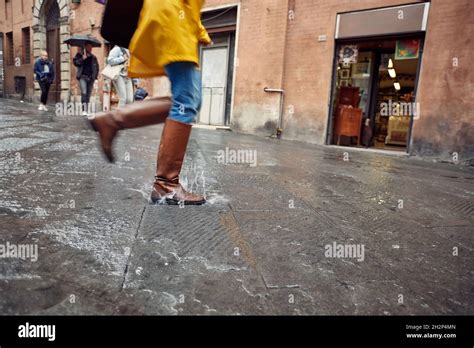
x,y
383,21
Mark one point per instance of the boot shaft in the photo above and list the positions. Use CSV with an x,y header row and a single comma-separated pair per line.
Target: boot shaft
x,y
173,144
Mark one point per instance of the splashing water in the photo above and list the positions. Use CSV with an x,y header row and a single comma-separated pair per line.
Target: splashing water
x,y
216,198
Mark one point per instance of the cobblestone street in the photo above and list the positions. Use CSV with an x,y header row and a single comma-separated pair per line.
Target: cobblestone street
x,y
266,242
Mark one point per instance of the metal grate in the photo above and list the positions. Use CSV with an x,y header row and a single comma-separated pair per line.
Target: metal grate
x,y
26,45
52,16
9,59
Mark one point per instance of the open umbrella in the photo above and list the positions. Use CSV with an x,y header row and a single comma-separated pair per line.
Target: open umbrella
x,y
81,40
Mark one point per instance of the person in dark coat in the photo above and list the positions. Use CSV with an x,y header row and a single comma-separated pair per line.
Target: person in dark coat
x,y
44,75
87,72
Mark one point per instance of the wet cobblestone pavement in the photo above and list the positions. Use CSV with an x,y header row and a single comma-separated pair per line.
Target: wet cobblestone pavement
x,y
259,246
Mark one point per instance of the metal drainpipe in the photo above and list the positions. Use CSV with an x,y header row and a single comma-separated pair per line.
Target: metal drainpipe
x,y
280,118
290,5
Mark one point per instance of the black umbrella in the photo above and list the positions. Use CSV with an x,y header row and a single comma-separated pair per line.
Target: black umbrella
x,y
81,40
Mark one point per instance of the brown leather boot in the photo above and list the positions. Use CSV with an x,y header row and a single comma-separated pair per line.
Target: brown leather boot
x,y
139,114
167,187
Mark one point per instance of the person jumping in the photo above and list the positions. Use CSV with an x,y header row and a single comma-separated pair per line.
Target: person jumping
x,y
165,42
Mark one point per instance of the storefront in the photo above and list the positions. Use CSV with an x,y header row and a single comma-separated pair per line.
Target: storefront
x,y
377,61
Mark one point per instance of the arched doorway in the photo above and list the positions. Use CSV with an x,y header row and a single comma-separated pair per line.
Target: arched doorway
x,y
53,47
50,28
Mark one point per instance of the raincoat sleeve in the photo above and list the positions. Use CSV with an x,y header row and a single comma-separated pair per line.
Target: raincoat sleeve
x,y
38,72
203,35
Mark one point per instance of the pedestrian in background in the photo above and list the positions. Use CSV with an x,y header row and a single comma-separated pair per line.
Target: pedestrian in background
x,y
87,72
44,75
123,84
165,41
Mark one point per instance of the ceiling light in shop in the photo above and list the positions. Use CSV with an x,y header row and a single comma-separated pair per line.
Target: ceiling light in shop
x,y
397,86
390,63
392,73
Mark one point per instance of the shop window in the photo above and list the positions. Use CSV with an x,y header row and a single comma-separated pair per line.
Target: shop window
x,y
374,92
9,59
26,40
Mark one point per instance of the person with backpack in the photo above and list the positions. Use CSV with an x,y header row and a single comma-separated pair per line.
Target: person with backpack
x,y
165,42
123,84
44,75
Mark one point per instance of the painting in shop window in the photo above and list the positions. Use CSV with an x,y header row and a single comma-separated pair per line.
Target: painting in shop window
x,y
348,54
345,74
407,49
361,70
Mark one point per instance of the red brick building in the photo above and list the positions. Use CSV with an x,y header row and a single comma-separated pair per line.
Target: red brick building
x,y
293,46
311,70
29,26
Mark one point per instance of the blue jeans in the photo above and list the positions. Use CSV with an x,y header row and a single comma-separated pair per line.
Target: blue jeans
x,y
86,91
186,91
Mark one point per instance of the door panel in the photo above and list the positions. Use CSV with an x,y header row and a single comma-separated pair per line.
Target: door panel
x,y
218,106
53,53
205,114
214,82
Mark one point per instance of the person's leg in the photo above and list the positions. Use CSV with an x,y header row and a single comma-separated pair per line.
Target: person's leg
x,y
90,86
47,87
185,87
141,114
83,87
43,94
121,89
129,89
186,90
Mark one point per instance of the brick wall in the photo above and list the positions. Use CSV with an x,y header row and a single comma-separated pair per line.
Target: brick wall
x,y
446,124
14,18
305,64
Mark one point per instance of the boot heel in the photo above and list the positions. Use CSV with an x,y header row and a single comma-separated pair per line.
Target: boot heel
x,y
171,201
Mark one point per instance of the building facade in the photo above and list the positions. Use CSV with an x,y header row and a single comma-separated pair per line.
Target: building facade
x,y
384,74
29,26
288,72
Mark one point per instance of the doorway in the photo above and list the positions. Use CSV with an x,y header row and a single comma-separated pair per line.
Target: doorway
x,y
374,90
217,77
217,64
214,82
52,47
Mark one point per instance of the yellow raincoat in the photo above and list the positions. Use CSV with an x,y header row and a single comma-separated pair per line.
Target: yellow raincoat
x,y
168,31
